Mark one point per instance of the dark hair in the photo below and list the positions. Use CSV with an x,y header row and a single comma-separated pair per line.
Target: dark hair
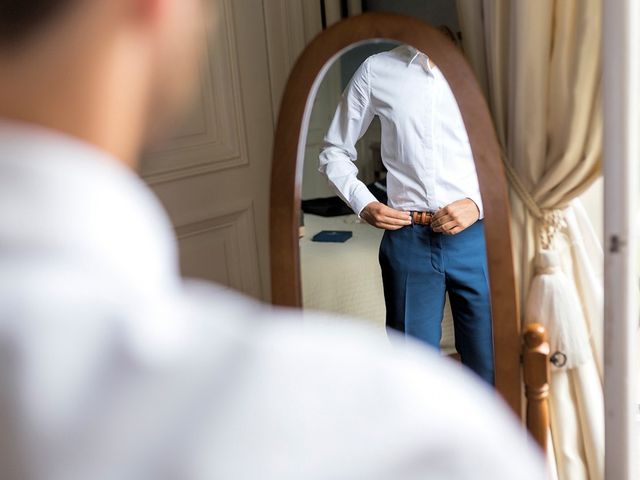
x,y
21,18
450,34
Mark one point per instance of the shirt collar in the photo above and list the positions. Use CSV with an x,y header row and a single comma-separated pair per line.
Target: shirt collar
x,y
413,55
66,198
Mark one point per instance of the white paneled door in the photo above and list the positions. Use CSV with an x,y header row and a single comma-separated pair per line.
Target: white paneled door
x,y
213,176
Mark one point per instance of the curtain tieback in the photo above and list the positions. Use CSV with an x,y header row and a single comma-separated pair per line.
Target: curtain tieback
x,y
553,300
550,221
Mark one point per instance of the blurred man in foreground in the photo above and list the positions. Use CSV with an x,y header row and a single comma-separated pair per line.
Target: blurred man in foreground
x,y
113,367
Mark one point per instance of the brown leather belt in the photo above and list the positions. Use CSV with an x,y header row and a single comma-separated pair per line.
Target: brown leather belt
x,y
421,218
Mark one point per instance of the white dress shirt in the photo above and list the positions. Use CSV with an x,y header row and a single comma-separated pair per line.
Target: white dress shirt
x,y
424,143
113,367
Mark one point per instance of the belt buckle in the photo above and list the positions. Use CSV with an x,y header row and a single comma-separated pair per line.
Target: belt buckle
x,y
420,218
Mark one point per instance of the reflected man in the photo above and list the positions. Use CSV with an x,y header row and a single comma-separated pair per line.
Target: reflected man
x,y
434,238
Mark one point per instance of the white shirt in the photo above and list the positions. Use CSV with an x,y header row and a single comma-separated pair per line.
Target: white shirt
x,y
113,367
424,143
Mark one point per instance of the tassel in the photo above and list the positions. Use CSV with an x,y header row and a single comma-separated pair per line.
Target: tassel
x,y
554,303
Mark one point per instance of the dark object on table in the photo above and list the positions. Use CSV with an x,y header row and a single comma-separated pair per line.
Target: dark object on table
x,y
332,236
335,207
326,207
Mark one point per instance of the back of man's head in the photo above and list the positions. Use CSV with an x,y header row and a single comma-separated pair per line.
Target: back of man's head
x,y
111,72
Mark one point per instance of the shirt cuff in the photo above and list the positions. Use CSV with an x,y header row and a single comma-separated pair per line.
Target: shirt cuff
x,y
361,198
478,201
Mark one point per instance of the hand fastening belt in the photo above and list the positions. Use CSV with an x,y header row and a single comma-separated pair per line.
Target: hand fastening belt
x,y
421,218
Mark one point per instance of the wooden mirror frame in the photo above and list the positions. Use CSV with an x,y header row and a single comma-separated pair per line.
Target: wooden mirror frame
x,y
288,155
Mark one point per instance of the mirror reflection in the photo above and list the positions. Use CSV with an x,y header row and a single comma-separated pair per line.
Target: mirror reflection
x,y
392,223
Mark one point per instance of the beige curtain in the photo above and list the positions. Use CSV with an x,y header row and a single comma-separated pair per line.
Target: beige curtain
x,y
538,63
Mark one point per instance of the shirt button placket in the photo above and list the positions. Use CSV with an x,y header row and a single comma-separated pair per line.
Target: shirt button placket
x,y
436,141
431,170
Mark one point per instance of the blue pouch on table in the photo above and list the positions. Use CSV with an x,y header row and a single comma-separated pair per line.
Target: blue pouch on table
x,y
334,236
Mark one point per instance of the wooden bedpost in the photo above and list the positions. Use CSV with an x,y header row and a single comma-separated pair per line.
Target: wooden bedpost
x,y
535,359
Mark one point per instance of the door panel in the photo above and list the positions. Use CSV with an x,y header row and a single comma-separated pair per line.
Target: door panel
x,y
213,176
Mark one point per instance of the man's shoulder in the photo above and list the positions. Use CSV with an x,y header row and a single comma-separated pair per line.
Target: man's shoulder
x,y
395,56
320,351
387,65
327,343
351,393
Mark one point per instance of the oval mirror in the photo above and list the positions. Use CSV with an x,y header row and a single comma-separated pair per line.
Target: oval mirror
x,y
338,169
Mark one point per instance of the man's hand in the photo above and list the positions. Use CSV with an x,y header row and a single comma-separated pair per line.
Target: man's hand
x,y
455,217
381,216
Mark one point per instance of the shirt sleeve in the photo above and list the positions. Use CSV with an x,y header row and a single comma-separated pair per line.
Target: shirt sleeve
x,y
338,153
477,199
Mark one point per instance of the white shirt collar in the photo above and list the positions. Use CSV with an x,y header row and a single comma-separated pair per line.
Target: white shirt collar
x,y
63,196
414,55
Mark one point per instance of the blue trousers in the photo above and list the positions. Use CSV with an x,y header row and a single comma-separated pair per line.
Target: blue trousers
x,y
419,266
